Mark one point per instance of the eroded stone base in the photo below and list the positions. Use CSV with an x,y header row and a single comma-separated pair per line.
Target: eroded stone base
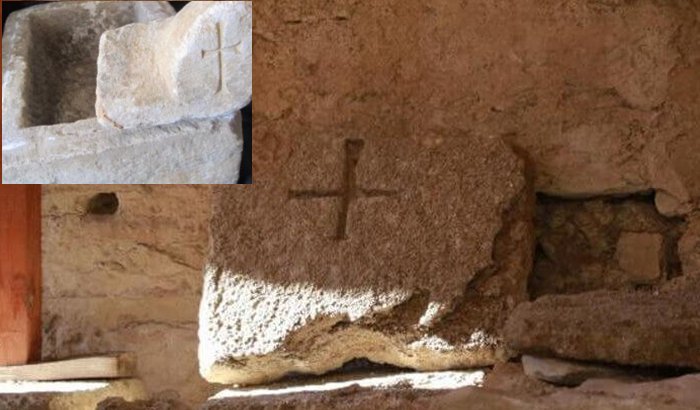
x,y
66,395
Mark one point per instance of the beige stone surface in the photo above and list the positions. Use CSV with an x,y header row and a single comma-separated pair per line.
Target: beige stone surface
x,y
648,328
128,281
49,130
68,395
197,64
402,252
616,113
603,243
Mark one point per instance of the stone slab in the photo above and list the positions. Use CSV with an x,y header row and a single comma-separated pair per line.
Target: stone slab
x,y
689,246
68,395
647,328
197,64
566,372
403,252
49,130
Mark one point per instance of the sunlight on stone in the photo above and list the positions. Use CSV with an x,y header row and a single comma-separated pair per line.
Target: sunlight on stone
x,y
426,381
50,387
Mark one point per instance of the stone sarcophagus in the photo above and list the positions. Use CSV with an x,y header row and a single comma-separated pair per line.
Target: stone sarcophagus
x,y
398,251
54,69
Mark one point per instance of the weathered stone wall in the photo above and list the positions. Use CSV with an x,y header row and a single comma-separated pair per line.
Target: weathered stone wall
x,y
128,281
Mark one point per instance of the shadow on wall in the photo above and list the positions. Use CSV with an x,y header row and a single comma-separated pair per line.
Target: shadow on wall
x,y
246,173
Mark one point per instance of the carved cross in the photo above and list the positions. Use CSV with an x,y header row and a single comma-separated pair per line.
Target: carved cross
x,y
219,50
349,191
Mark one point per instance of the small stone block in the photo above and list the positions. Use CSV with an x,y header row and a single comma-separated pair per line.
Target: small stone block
x,y
640,255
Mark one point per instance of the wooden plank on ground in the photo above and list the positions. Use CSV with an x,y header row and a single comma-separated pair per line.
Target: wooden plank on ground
x,y
115,366
20,274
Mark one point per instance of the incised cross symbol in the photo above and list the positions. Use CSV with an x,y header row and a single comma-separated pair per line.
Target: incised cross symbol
x,y
220,50
349,191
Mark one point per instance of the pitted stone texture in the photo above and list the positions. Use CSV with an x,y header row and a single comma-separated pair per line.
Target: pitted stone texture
x,y
613,104
202,152
49,130
197,64
417,266
605,243
66,395
659,328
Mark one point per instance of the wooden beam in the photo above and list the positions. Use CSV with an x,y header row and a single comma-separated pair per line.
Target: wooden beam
x,y
20,274
116,366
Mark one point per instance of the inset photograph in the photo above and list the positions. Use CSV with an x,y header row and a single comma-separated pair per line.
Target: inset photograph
x,y
127,92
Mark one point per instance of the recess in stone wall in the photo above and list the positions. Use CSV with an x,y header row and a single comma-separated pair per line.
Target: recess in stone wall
x,y
602,243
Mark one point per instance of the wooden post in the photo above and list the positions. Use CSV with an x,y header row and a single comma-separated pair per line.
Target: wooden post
x,y
20,274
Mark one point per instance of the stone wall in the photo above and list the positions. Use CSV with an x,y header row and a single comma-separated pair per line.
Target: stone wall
x,y
127,281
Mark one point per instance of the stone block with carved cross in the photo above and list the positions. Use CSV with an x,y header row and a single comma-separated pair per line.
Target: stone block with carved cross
x,y
402,252
197,64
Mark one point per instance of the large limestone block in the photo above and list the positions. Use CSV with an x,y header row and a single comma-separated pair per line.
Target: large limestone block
x,y
656,328
622,108
49,130
403,252
197,64
68,395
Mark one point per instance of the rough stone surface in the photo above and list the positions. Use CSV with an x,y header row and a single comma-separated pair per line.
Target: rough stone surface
x,y
612,243
128,281
656,328
568,373
49,130
197,64
72,395
622,107
402,252
689,247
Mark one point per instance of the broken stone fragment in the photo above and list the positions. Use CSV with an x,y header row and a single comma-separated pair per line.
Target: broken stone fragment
x,y
659,328
402,252
197,64
640,255
566,372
